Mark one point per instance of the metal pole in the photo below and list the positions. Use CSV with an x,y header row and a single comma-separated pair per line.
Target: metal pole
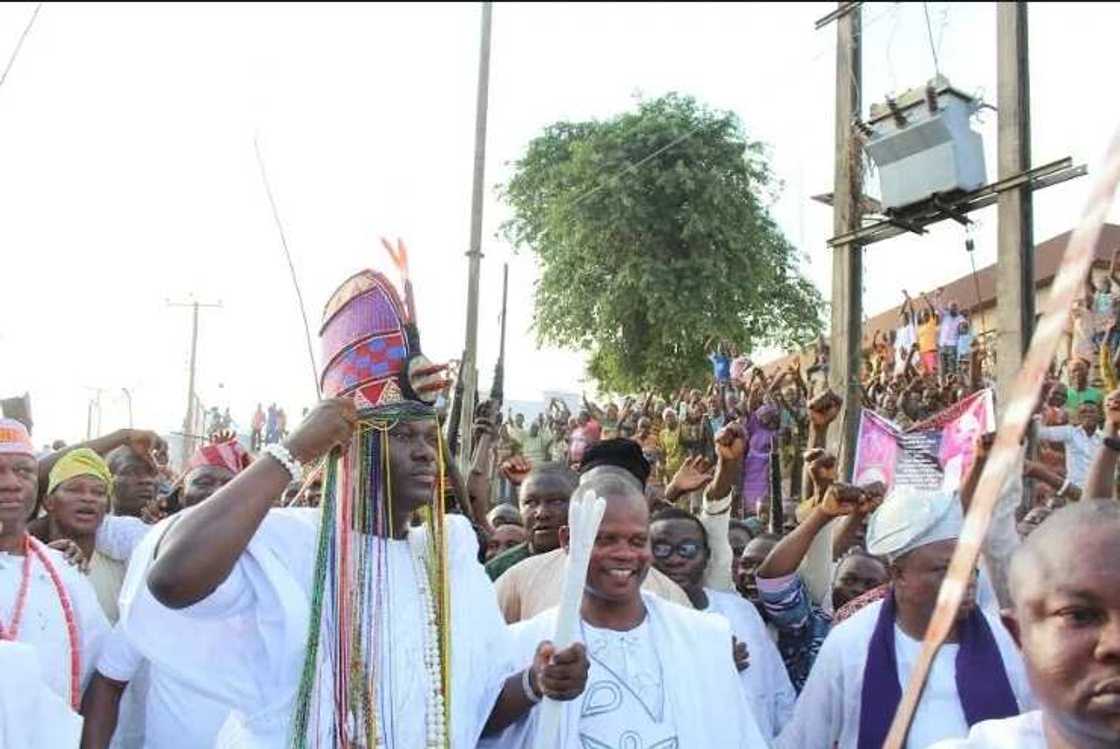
x,y
847,259
469,370
188,422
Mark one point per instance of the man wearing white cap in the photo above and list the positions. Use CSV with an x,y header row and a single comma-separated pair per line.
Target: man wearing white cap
x,y
51,625
856,683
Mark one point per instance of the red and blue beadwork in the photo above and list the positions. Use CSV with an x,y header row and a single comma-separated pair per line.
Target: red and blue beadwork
x,y
367,341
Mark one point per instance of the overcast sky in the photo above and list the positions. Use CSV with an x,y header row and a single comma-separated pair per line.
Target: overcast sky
x,y
127,174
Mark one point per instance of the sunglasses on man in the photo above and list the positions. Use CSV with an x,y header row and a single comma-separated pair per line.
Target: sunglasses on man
x,y
685,550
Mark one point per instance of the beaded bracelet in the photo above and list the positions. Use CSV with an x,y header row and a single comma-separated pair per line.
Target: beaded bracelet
x,y
527,686
283,456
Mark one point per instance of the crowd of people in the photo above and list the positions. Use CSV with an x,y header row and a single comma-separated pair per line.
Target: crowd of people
x,y
345,584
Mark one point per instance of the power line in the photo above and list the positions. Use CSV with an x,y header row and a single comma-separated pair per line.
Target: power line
x,y
932,47
19,44
291,267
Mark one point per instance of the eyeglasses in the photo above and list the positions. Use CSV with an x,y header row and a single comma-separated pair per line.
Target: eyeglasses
x,y
685,550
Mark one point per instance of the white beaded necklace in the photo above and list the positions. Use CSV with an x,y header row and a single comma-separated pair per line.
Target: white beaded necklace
x,y
435,709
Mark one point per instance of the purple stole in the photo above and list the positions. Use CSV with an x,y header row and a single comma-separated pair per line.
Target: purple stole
x,y
982,683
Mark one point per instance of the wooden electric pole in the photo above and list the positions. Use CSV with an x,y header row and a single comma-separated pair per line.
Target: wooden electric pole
x,y
188,421
1015,259
847,259
468,370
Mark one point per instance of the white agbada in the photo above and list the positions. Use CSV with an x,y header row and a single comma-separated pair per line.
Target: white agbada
x,y
162,713
828,709
670,682
766,680
255,626
1020,732
44,623
32,715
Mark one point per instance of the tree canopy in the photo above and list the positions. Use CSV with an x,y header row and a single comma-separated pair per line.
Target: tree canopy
x,y
654,236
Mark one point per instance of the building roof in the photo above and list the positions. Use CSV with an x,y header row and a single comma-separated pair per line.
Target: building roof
x,y
979,294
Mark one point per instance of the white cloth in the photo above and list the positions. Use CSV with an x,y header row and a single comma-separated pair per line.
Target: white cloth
x,y
165,714
44,623
1020,732
32,715
766,680
625,696
703,693
828,709
119,535
1080,449
255,625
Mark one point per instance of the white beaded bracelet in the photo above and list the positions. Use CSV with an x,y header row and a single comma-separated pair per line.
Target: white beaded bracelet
x,y
283,456
527,686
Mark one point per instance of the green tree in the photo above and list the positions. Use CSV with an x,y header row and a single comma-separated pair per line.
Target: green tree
x,y
654,236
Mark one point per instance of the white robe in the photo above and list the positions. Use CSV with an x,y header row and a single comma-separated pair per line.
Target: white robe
x,y
704,696
766,680
32,715
255,626
829,706
1021,732
44,623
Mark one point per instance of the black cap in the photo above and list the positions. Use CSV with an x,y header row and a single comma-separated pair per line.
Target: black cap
x,y
621,453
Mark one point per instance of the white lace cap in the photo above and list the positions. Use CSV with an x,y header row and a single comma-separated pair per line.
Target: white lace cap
x,y
910,518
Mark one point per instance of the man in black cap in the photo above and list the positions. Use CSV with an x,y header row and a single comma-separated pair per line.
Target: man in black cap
x,y
534,583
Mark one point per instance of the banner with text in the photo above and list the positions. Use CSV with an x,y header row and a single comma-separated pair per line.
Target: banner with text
x,y
932,454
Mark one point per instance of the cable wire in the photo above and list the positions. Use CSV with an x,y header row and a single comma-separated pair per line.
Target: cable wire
x,y
19,44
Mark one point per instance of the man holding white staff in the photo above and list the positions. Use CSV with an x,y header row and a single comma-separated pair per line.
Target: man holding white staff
x,y
661,675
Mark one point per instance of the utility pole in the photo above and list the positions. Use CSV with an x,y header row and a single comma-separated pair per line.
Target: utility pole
x,y
468,371
847,259
128,397
1015,259
188,421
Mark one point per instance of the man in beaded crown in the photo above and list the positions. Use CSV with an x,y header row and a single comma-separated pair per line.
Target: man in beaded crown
x,y
363,629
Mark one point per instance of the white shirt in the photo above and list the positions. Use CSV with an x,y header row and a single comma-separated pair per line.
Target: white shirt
x,y
255,626
44,623
1020,732
1080,449
828,709
624,702
766,680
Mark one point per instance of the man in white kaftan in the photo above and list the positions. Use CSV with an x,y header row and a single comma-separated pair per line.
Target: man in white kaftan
x,y
42,627
668,683
255,625
917,533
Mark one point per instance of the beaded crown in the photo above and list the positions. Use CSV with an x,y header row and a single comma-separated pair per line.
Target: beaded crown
x,y
371,345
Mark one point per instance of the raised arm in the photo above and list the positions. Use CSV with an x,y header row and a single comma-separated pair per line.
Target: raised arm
x,y
840,499
1101,481
142,443
199,551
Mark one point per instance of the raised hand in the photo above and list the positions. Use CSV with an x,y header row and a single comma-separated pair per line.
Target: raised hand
x,y
730,444
824,409
695,473
515,469
841,499
330,423
144,443
1112,411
